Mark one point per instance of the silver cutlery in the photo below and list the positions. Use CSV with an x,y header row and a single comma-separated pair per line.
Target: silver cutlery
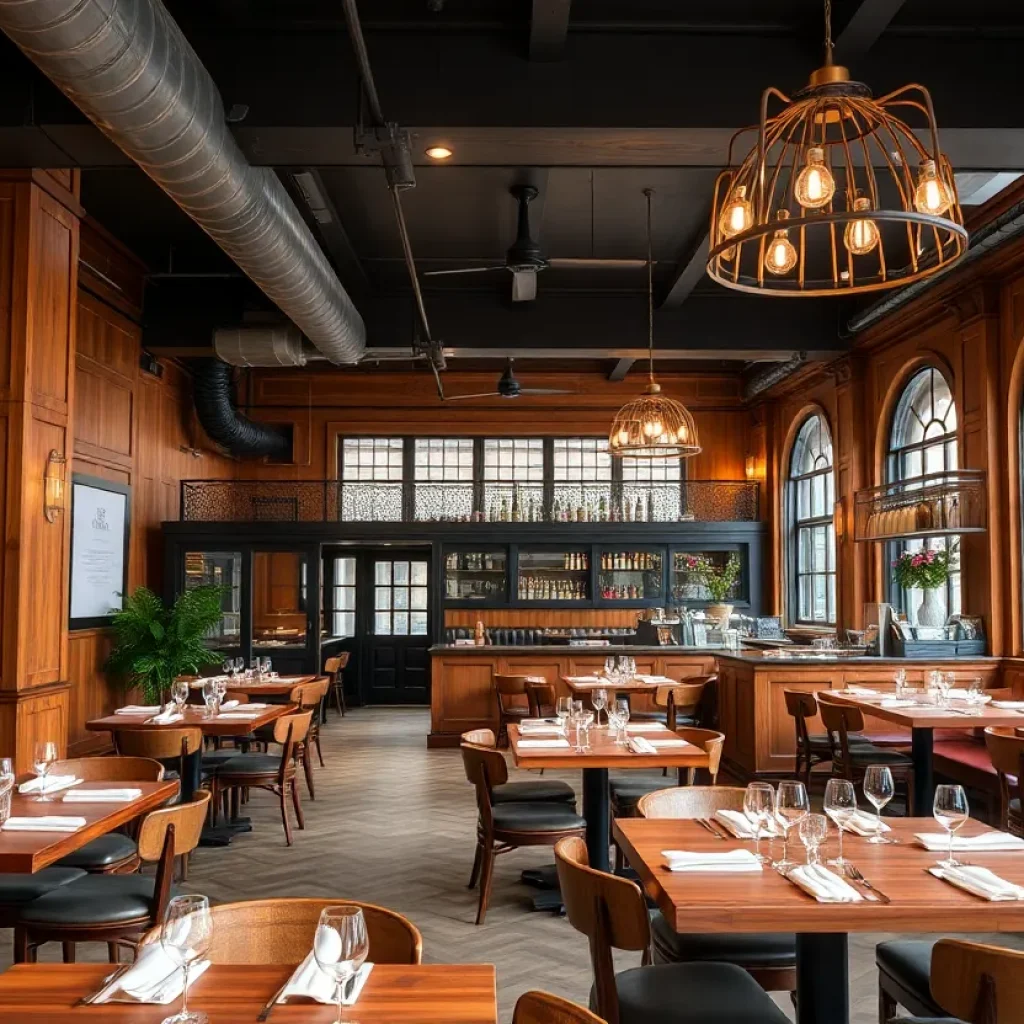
x,y
714,828
109,979
705,824
853,873
268,1008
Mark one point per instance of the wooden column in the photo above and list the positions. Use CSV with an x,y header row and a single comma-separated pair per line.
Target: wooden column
x,y
39,220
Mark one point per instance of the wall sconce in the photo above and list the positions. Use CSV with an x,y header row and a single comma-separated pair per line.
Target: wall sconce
x,y
750,467
53,485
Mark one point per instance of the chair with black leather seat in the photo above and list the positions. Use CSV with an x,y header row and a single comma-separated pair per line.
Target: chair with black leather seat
x,y
335,668
276,773
18,890
115,853
811,749
502,827
1006,748
114,909
904,968
770,958
541,698
678,704
531,789
612,913
513,702
850,760
170,745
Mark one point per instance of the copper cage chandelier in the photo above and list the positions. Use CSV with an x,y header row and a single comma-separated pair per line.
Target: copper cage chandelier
x,y
653,426
838,195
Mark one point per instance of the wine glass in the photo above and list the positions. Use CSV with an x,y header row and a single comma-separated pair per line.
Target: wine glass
x,y
563,710
813,829
615,725
211,696
599,700
186,935
759,806
791,805
609,666
583,724
622,710
266,666
879,789
951,811
341,947
840,805
227,666
179,693
44,754
901,682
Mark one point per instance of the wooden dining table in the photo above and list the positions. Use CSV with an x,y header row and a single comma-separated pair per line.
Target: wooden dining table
x,y
922,720
28,852
584,686
765,901
235,994
281,686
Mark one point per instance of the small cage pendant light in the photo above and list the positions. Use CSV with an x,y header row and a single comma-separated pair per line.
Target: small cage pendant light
x,y
653,426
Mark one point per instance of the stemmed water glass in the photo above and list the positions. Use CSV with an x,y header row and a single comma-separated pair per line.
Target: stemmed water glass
x,y
615,726
43,756
186,935
759,807
563,710
584,720
840,805
900,679
266,666
951,811
879,789
791,806
211,696
599,701
622,712
341,947
179,693
813,829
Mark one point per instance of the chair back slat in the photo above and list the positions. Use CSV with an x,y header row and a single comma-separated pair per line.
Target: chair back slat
x,y
544,1008
187,820
541,698
158,744
292,728
978,983
839,720
690,801
480,738
709,740
110,769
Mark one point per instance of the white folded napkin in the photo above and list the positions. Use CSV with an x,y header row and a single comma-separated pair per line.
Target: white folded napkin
x,y
100,796
863,824
171,714
641,745
253,706
979,881
587,679
229,704
729,862
309,981
54,784
742,827
938,842
673,742
1009,705
238,716
561,743
897,702
646,727
44,823
652,680
139,709
823,885
154,978
860,691
539,729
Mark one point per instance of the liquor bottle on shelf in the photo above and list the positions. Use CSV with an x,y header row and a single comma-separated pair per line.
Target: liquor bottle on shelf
x,y
650,506
602,509
639,512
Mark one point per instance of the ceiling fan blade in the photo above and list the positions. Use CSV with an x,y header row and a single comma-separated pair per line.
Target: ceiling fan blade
x,y
545,391
595,262
524,286
463,270
460,398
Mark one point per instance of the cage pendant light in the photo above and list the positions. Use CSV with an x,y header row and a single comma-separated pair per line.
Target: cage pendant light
x,y
653,426
867,201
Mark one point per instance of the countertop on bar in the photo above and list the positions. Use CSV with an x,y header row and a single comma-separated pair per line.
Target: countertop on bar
x,y
758,658
573,649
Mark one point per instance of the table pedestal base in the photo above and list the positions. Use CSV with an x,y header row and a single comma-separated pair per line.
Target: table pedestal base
x,y
822,978
596,799
921,749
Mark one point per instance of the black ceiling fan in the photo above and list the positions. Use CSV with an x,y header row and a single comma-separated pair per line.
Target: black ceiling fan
x,y
525,258
509,387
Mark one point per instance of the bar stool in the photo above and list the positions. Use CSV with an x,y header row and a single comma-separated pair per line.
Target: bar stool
x,y
335,668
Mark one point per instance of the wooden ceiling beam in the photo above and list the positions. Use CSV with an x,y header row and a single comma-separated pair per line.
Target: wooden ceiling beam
x,y
865,27
549,29
621,368
689,273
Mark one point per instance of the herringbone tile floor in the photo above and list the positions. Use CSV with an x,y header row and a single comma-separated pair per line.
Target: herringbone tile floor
x,y
393,823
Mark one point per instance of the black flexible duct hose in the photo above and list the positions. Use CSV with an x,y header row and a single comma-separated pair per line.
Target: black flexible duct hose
x,y
223,423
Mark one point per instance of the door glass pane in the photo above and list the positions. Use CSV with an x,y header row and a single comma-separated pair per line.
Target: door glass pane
x,y
382,623
221,569
344,598
382,572
343,624
419,598
402,574
401,598
400,626
382,597
418,575
418,623
345,572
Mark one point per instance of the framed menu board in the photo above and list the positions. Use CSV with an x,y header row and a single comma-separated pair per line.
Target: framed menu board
x,y
100,520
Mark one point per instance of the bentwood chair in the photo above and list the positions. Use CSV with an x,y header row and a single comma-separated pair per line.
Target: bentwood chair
x,y
541,698
276,773
115,909
1006,748
769,958
612,913
678,704
169,745
335,668
280,931
116,852
811,748
544,1008
850,760
513,702
517,792
502,827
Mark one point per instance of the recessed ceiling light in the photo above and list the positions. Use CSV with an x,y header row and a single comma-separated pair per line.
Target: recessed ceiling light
x,y
438,152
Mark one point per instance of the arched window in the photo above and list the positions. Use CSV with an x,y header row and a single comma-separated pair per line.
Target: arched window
x,y
812,537
923,441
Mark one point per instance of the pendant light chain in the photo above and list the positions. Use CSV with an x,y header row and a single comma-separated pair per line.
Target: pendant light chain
x,y
650,290
828,32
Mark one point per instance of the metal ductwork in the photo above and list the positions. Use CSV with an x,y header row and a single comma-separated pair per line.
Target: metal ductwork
x,y
277,345
127,66
222,421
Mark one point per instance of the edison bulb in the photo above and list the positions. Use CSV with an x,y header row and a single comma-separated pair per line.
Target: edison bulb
x,y
932,194
815,185
861,235
652,428
623,438
737,215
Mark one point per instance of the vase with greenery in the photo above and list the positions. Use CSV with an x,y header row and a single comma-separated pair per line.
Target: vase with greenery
x,y
718,580
925,571
154,644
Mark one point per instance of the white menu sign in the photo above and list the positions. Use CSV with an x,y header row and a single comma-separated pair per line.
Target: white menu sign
x,y
97,545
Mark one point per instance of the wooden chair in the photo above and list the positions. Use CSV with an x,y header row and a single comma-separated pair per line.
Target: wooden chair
x,y
544,1008
1006,748
280,931
678,704
169,745
612,913
335,668
513,702
115,853
508,825
542,699
115,908
769,958
810,750
850,760
276,773
311,697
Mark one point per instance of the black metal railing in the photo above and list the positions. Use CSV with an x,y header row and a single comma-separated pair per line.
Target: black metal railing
x,y
313,501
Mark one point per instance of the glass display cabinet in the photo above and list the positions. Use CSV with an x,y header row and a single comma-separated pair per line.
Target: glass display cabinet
x,y
631,575
686,584
476,576
219,569
279,601
553,575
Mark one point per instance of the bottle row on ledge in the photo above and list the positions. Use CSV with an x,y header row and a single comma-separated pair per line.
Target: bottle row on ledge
x,y
475,561
530,509
625,592
546,588
630,561
509,636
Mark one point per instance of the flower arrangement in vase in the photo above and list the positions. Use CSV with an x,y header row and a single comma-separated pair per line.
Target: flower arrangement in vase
x,y
925,571
718,580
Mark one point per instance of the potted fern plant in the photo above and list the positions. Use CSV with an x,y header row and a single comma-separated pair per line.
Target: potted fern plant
x,y
154,644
